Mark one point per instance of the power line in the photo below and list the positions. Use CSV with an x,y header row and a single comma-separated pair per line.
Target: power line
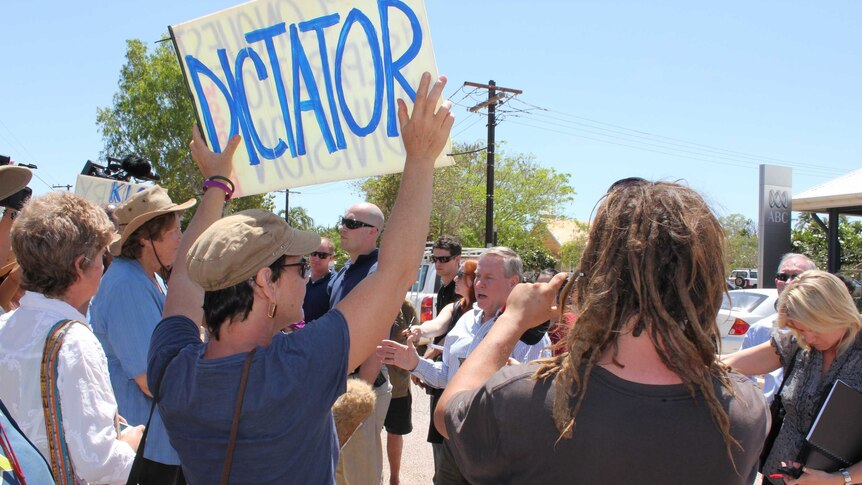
x,y
651,150
648,134
721,156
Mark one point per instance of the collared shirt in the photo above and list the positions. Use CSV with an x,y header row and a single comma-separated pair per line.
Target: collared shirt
x,y
350,275
316,301
464,337
86,399
123,314
761,332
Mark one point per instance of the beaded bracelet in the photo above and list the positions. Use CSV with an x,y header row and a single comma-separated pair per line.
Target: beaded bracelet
x,y
228,192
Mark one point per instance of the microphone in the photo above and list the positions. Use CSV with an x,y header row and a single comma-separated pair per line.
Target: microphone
x,y
138,167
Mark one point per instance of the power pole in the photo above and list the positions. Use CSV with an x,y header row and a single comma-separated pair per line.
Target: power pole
x,y
67,187
494,98
287,193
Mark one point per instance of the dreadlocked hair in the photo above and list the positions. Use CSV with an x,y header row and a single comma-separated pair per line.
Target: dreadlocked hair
x,y
653,263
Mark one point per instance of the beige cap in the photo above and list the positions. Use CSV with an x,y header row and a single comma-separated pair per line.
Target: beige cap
x,y
13,179
233,249
140,208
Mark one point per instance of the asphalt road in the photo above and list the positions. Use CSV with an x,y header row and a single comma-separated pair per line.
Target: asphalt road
x,y
417,462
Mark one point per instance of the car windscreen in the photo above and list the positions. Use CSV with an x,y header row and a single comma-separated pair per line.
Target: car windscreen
x,y
742,301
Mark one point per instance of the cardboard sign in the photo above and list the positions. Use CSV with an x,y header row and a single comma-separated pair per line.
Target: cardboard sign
x,y
310,85
106,191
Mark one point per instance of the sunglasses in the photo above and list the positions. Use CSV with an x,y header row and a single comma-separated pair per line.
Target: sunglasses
x,y
785,276
353,223
442,259
303,266
461,274
318,254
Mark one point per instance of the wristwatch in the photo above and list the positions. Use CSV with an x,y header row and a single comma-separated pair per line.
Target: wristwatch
x,y
846,474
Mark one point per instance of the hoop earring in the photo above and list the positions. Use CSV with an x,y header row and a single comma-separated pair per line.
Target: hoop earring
x,y
271,312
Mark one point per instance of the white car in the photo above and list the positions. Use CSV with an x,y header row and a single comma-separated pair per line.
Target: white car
x,y
740,311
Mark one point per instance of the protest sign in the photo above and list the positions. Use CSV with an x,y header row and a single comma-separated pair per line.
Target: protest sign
x,y
105,191
311,85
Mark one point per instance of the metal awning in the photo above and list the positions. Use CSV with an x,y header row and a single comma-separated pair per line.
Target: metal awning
x,y
842,195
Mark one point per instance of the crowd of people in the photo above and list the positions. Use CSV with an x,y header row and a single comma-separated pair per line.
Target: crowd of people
x,y
135,352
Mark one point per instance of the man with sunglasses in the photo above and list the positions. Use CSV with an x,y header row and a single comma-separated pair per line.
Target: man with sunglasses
x,y
361,458
316,302
790,266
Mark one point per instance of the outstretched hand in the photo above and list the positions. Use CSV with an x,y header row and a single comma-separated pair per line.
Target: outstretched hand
x,y
209,162
393,353
530,304
426,130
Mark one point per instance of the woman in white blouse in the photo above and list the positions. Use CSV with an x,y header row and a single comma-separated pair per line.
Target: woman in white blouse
x,y
59,240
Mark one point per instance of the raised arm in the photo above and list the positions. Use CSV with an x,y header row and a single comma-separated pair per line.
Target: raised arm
x,y
370,307
185,297
527,306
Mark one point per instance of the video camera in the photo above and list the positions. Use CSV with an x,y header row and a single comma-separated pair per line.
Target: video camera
x,y
16,201
133,165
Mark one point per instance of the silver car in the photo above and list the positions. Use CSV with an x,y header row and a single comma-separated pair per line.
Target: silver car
x,y
741,311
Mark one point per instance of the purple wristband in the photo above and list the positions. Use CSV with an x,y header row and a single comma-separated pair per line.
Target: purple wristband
x,y
214,183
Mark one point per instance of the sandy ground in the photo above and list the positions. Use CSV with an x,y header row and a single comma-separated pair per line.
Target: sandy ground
x,y
417,462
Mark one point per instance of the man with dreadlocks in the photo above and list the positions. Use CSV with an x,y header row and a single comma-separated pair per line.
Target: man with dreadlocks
x,y
640,397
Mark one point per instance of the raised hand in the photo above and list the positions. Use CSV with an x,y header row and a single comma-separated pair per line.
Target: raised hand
x,y
209,162
426,130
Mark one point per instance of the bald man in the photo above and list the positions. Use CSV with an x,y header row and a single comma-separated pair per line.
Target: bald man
x,y
361,460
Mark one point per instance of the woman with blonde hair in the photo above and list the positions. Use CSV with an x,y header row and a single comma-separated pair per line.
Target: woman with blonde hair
x,y
822,345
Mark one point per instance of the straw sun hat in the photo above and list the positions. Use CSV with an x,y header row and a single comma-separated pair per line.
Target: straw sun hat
x,y
143,206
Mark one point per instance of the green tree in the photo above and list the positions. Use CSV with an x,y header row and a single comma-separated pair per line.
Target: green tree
x,y
525,193
152,115
741,249
807,237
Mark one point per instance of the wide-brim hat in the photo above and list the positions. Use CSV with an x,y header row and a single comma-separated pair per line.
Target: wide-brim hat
x,y
141,207
13,179
233,249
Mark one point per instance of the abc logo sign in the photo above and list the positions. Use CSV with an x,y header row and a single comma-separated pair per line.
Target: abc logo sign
x,y
778,207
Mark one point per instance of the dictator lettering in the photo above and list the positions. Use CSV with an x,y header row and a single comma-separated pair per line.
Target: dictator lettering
x,y
331,114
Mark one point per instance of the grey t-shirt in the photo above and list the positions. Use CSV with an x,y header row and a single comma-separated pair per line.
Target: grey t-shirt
x,y
625,433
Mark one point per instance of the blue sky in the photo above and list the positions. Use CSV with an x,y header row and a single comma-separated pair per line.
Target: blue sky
x,y
699,91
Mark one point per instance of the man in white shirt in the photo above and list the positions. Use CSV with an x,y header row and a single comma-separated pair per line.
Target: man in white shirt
x,y
59,241
499,270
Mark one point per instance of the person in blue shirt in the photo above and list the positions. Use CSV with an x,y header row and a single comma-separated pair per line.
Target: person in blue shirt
x,y
243,279
127,308
316,301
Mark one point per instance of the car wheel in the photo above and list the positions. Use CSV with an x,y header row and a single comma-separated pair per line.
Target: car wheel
x,y
740,282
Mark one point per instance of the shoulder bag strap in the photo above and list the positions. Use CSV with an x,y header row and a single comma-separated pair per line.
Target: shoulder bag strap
x,y
138,464
234,426
61,463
